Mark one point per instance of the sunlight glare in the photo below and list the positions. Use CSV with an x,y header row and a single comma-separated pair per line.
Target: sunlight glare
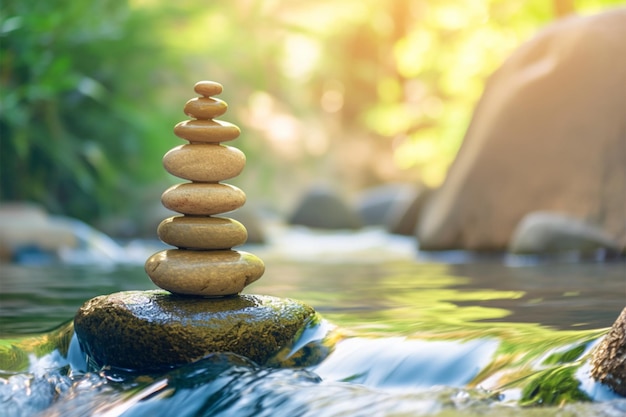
x,y
282,130
332,97
301,56
409,52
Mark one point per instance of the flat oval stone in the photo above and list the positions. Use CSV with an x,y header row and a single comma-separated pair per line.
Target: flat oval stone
x,y
204,162
202,232
208,131
155,330
208,88
205,108
204,273
203,199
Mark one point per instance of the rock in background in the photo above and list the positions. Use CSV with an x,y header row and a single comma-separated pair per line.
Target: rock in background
x,y
28,227
549,134
322,207
396,207
545,232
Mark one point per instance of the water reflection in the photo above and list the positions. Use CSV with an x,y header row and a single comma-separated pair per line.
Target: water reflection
x,y
561,295
407,296
397,296
401,336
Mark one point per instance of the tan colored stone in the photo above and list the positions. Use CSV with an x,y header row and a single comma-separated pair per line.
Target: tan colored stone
x,y
204,162
205,107
204,273
202,199
193,232
206,131
28,225
208,88
547,135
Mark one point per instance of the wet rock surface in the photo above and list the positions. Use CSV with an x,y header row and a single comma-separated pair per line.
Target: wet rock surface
x,y
149,330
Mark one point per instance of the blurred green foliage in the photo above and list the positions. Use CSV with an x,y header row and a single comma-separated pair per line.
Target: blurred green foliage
x,y
76,126
360,91
555,386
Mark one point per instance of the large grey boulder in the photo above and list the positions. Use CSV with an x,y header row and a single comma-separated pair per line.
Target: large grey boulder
x,y
150,330
549,134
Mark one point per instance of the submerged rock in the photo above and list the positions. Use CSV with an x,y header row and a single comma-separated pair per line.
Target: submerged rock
x,y
609,359
149,330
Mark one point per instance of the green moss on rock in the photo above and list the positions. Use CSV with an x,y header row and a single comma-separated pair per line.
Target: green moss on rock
x,y
608,365
148,330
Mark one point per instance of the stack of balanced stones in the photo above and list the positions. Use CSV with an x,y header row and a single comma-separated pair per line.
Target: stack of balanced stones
x,y
204,263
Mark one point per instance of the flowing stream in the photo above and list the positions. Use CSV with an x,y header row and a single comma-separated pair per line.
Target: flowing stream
x,y
398,334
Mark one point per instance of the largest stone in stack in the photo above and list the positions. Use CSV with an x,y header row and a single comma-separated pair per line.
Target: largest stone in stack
x,y
204,263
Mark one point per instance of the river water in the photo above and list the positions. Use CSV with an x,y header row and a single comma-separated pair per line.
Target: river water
x,y
400,333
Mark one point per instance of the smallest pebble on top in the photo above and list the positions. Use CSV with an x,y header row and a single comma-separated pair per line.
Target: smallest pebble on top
x,y
208,88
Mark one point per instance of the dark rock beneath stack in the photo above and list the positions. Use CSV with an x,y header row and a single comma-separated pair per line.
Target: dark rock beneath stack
x,y
151,330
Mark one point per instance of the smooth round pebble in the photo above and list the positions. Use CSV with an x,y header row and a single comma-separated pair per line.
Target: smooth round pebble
x,y
205,107
204,273
203,199
204,162
190,232
209,131
208,88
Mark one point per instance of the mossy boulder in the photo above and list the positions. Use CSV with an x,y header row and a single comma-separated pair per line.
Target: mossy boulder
x,y
151,330
609,359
